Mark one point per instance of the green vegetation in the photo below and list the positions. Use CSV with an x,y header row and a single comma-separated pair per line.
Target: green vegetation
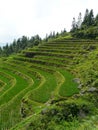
x,y
19,44
51,84
86,29
68,88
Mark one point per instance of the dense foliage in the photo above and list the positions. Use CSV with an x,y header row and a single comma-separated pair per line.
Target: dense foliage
x,y
88,28
19,44
60,116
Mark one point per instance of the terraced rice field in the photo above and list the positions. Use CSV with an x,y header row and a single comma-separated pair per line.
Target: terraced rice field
x,y
31,79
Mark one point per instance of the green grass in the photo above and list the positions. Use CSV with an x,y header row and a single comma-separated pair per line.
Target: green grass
x,y
12,109
44,92
20,85
69,87
2,84
8,80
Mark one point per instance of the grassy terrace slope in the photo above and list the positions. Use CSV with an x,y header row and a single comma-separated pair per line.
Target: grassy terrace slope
x,y
32,80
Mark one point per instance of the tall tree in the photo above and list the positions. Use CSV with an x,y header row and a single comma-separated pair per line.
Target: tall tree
x,y
79,20
91,18
0,50
74,25
85,20
88,18
96,20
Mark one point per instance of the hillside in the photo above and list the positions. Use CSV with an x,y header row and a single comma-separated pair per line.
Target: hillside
x,y
52,86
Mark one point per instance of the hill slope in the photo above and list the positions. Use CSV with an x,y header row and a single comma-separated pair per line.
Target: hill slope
x,y
50,86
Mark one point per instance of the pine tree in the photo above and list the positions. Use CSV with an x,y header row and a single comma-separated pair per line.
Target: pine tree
x,y
0,51
88,18
91,18
85,20
74,25
96,20
79,20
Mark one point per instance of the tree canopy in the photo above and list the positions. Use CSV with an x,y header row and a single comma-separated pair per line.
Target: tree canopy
x,y
86,28
19,44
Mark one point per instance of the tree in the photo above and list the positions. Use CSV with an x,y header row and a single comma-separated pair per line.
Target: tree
x,y
88,18
91,18
0,51
57,34
19,44
74,25
6,49
85,20
64,30
79,20
24,42
96,20
46,38
53,34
